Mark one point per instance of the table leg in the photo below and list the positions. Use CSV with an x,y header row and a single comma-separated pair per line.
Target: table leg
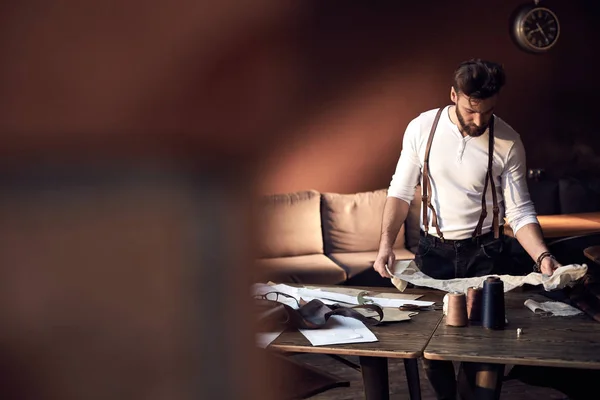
x,y
411,367
488,381
375,377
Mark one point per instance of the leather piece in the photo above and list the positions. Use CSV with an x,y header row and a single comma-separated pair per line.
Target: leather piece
x,y
315,314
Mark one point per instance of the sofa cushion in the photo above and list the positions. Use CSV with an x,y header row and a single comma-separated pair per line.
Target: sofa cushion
x,y
352,222
290,224
313,268
355,263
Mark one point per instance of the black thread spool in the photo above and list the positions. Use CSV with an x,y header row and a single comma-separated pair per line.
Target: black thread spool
x,y
493,304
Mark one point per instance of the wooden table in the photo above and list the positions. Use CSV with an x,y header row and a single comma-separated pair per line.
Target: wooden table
x,y
566,225
571,342
593,253
406,340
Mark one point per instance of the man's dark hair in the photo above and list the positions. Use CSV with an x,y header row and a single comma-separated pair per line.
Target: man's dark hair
x,y
479,79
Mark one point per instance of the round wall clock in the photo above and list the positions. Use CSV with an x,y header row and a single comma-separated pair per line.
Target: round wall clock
x,y
534,28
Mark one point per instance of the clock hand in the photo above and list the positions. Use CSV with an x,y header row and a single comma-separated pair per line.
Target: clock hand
x,y
532,32
542,31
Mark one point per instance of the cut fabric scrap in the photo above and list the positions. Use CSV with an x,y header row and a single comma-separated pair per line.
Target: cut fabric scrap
x,y
391,314
555,308
408,272
396,315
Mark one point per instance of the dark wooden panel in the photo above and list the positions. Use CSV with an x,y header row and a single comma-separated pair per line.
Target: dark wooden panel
x,y
405,339
545,341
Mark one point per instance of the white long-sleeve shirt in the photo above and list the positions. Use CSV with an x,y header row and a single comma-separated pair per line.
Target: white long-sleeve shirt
x,y
458,166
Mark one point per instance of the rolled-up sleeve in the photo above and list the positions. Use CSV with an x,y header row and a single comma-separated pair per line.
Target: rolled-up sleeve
x,y
408,170
519,208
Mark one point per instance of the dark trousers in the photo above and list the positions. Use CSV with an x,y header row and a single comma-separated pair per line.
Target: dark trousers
x,y
458,259
577,384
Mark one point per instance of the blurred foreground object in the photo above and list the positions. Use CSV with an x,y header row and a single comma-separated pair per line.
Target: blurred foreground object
x,y
124,245
123,285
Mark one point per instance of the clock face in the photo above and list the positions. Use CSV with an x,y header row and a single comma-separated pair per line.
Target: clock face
x,y
539,29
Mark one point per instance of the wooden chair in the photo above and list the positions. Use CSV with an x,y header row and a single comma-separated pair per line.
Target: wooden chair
x,y
593,253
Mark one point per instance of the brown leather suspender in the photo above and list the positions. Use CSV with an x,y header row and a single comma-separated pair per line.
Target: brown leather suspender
x,y
426,186
489,177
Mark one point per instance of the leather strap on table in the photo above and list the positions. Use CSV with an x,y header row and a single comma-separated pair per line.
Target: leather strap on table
x,y
315,313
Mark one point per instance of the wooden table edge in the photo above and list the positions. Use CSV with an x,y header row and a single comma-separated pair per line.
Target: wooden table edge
x,y
510,361
345,352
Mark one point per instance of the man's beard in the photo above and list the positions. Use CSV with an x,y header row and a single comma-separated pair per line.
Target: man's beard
x,y
470,129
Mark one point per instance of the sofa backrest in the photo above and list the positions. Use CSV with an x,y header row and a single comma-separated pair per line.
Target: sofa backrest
x,y
352,222
290,224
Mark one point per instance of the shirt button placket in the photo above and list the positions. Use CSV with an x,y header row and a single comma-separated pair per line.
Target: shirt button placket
x,y
458,268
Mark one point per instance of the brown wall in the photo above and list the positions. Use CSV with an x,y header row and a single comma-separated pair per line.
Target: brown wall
x,y
320,95
370,69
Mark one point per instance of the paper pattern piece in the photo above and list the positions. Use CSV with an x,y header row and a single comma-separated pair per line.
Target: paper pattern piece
x,y
344,298
408,271
355,292
333,297
400,296
339,330
554,308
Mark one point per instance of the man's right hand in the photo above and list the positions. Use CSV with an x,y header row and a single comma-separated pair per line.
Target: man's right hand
x,y
384,257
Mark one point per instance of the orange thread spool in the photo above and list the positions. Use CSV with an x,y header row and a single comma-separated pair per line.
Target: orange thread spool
x,y
457,310
474,303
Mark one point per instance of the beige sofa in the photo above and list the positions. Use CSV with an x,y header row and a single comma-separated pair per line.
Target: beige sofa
x,y
327,238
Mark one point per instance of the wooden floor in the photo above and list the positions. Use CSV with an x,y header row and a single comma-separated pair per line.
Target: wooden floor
x,y
512,389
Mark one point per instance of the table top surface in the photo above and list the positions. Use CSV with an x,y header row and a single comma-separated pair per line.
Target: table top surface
x,y
564,225
572,342
405,339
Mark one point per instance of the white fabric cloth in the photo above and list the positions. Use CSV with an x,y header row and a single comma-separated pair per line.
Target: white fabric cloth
x,y
457,170
407,271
